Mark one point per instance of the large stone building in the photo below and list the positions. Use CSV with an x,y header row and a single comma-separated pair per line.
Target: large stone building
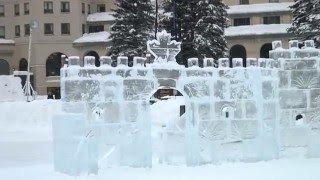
x,y
254,24
61,23
81,27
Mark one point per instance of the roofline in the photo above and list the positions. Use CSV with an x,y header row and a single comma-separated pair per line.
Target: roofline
x,y
259,35
12,44
78,44
259,13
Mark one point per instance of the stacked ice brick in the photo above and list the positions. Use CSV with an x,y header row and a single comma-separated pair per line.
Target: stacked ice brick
x,y
237,119
299,98
231,113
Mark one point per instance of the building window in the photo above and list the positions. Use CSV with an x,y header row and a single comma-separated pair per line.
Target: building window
x,y
65,28
16,10
241,21
83,8
53,64
65,7
101,8
98,28
27,29
83,28
273,1
2,32
17,30
1,10
244,1
48,7
89,9
26,8
271,20
48,28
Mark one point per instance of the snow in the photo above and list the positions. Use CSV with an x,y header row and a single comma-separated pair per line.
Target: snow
x,y
94,37
6,41
26,152
171,108
260,8
260,29
293,169
10,88
100,17
21,73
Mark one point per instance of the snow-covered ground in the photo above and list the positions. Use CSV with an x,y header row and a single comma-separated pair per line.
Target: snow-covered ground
x,y
26,151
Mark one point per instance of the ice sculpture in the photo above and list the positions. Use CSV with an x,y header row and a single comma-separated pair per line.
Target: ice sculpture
x,y
235,114
163,49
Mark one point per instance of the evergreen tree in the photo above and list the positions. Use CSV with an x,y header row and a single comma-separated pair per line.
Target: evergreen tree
x,y
179,18
306,19
209,38
199,24
134,23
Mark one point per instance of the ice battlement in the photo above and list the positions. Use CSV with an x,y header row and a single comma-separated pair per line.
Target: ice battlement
x,y
307,57
237,114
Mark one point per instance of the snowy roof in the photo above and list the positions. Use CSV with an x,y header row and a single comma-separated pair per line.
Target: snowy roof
x,y
259,29
6,41
94,37
100,17
260,8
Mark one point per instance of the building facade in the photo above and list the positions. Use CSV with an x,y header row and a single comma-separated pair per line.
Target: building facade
x,y
82,27
254,24
60,24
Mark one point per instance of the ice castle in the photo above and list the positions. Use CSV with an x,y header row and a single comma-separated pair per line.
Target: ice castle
x,y
232,114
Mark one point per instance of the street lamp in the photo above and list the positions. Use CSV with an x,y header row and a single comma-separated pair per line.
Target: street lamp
x,y
28,87
156,22
174,9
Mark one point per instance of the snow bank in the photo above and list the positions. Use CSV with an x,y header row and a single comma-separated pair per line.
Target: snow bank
x,y
27,120
260,8
94,37
11,89
260,29
101,17
6,41
171,109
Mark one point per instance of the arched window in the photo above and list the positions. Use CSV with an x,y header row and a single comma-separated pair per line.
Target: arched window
x,y
53,64
264,51
96,55
4,67
23,65
238,51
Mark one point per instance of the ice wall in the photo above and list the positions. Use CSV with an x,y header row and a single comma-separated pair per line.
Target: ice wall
x,y
299,94
232,114
224,113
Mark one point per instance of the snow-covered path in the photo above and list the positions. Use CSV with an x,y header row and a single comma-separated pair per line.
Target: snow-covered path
x,y
26,154
294,169
18,154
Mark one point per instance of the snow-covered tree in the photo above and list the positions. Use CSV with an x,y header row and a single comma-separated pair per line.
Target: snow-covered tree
x,y
209,38
179,18
134,23
199,24
306,20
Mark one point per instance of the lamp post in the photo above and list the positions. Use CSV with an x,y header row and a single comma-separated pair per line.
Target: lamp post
x,y
156,21
174,9
28,86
